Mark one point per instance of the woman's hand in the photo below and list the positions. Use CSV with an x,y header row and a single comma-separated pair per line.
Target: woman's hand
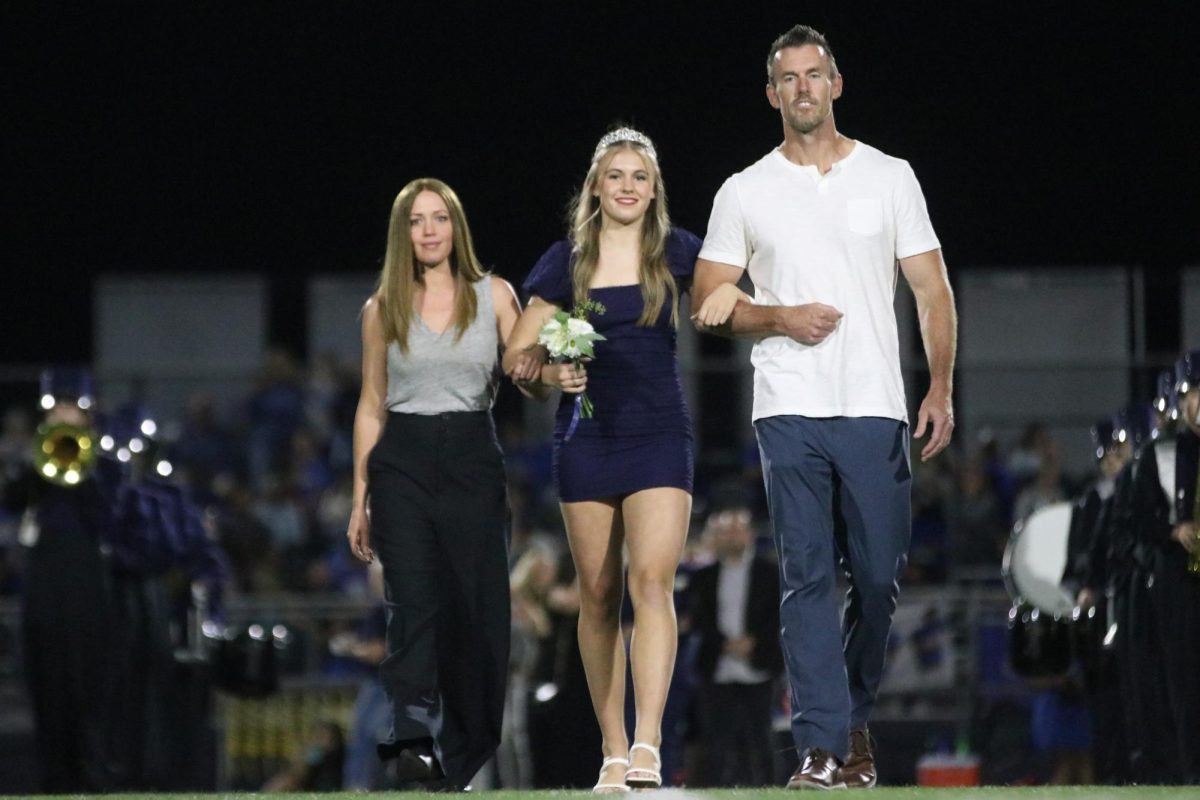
x,y
528,365
1185,534
719,305
570,377
359,534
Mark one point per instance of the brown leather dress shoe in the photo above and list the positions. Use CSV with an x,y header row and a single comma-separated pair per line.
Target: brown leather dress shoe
x,y
859,770
818,770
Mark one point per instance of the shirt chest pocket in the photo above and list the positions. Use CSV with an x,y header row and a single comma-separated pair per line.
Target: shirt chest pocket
x,y
864,216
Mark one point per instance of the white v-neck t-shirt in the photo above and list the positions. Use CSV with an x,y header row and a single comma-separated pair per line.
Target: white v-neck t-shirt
x,y
833,239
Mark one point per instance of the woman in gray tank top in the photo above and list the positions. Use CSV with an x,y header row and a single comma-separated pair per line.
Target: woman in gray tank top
x,y
429,487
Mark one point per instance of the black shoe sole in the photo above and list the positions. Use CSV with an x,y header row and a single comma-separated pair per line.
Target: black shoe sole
x,y
809,785
414,768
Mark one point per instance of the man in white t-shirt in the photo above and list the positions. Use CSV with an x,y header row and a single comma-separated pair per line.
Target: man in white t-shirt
x,y
821,223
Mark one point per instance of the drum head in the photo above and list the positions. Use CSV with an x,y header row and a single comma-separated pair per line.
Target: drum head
x,y
1036,557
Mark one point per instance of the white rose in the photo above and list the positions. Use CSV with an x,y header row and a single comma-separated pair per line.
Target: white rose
x,y
577,326
577,329
553,336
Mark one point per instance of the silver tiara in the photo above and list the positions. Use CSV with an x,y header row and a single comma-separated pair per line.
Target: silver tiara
x,y
624,135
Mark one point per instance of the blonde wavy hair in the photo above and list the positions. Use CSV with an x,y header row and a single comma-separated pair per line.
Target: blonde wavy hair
x,y
584,217
401,270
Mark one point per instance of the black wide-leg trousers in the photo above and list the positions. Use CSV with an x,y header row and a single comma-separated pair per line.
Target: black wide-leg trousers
x,y
439,525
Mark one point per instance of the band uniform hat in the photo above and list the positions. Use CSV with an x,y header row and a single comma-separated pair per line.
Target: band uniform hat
x,y
1132,424
1187,372
66,384
1102,437
1164,391
1166,403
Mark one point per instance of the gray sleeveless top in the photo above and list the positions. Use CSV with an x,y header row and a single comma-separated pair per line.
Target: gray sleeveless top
x,y
439,374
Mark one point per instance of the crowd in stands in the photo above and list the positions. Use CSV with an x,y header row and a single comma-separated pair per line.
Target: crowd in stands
x,y
273,473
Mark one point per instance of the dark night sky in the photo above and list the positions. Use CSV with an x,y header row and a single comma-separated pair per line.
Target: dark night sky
x,y
272,137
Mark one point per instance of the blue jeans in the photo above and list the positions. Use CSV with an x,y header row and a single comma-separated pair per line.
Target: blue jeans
x,y
837,490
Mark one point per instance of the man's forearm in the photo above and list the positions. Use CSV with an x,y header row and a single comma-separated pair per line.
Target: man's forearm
x,y
939,332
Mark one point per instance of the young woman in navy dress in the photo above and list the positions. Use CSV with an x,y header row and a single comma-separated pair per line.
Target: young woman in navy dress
x,y
624,476
429,487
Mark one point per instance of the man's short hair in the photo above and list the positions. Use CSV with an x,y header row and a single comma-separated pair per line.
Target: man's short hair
x,y
798,36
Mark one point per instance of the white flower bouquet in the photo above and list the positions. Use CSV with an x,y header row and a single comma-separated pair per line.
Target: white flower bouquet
x,y
570,338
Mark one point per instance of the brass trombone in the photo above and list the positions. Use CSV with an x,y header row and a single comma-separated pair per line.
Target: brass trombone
x,y
64,454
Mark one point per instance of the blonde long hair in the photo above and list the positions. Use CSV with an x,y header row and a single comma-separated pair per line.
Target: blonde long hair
x,y
401,270
654,276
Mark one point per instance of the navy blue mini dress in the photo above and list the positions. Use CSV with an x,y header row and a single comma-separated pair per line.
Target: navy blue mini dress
x,y
640,434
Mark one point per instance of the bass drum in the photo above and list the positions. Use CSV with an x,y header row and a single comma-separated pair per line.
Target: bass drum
x,y
1041,620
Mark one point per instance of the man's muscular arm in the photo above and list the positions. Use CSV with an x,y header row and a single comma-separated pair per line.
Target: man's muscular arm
x,y
926,274
807,324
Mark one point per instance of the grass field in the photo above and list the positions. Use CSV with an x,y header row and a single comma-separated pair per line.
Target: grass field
x,y
897,793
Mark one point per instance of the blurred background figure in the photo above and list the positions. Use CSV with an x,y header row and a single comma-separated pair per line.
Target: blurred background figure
x,y
1085,577
1177,546
1045,482
121,573
319,766
204,449
534,575
67,610
562,732
978,523
372,716
275,412
1150,755
734,615
167,576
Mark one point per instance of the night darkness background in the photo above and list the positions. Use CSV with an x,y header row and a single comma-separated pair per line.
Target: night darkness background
x,y
271,137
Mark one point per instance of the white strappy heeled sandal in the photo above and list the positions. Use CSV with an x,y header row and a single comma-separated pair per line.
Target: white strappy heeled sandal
x,y
611,788
644,777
